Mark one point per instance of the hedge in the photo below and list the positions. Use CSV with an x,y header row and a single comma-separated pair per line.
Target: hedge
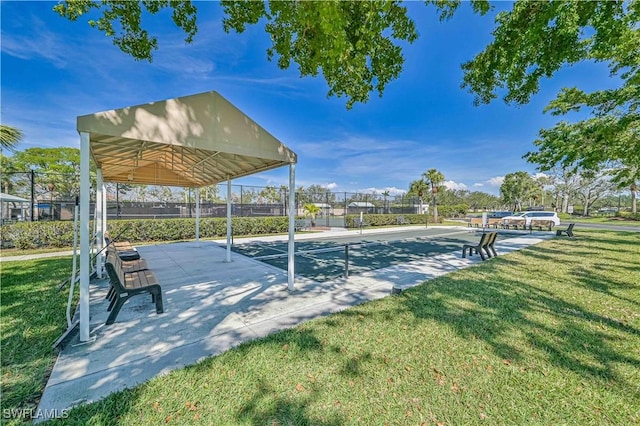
x,y
31,235
352,220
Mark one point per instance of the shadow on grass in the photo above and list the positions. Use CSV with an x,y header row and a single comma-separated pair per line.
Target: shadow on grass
x,y
503,298
265,405
33,317
262,408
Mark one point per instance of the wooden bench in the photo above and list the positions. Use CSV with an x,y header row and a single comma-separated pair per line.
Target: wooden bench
x,y
494,222
491,244
475,222
568,231
124,248
485,245
128,266
127,285
515,224
540,224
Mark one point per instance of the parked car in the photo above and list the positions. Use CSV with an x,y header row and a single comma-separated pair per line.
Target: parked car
x,y
534,215
499,214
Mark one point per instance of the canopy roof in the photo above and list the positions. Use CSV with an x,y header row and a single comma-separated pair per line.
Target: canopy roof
x,y
190,141
8,198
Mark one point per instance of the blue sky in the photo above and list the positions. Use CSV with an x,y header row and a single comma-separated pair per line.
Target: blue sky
x,y
54,70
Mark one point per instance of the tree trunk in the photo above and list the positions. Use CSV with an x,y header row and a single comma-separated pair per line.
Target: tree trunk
x,y
435,210
565,202
634,207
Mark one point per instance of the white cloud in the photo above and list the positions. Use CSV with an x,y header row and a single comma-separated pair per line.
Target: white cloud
x,y
540,175
40,43
331,185
392,190
495,181
478,185
454,185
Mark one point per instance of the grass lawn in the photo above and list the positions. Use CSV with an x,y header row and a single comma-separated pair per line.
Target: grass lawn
x,y
608,220
547,335
32,317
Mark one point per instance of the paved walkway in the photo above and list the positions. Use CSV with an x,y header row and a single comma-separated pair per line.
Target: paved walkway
x,y
211,306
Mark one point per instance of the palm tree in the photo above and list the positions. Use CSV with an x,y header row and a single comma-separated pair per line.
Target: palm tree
x,y
385,208
311,210
418,188
435,179
9,137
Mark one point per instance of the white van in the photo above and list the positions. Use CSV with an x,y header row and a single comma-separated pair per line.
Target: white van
x,y
534,215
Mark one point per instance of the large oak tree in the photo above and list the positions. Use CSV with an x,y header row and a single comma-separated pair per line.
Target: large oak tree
x,y
356,47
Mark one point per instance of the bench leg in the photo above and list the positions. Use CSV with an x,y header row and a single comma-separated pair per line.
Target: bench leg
x,y
118,302
486,250
480,252
110,293
113,301
157,296
465,249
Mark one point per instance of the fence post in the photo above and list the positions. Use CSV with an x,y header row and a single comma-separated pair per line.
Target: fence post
x,y
117,201
33,193
346,210
327,210
189,201
346,260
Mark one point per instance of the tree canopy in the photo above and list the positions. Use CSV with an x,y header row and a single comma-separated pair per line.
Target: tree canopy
x,y
537,38
58,167
516,188
122,21
355,45
560,33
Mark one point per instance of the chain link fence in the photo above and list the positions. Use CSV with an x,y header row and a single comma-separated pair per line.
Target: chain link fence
x,y
51,196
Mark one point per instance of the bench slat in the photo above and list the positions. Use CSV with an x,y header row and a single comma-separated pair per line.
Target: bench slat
x,y
140,279
134,266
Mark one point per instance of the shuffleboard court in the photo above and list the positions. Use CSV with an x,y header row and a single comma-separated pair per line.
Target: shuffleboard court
x,y
327,258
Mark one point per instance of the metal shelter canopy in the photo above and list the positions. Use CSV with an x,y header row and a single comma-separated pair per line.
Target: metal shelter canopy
x,y
190,141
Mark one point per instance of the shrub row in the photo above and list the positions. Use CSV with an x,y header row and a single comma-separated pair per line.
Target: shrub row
x,y
453,211
629,215
352,220
30,235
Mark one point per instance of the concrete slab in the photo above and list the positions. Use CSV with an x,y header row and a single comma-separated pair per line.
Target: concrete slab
x,y
211,306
